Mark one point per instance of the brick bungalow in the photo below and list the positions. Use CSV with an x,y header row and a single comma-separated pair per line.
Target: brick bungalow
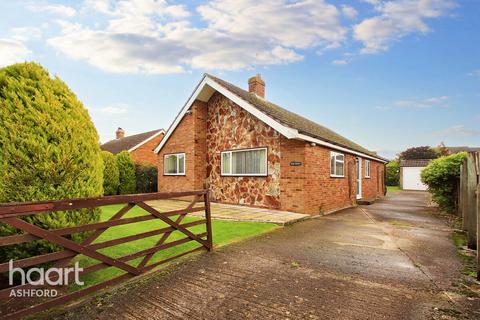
x,y
250,151
140,146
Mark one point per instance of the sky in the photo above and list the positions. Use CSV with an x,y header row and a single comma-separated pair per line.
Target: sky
x,y
386,74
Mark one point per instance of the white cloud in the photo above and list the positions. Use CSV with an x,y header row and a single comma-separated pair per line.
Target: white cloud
x,y
12,51
382,108
115,109
339,62
349,12
55,9
458,131
26,33
423,103
396,19
146,36
474,73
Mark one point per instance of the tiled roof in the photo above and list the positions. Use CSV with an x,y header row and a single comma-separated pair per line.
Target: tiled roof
x,y
415,163
117,145
293,120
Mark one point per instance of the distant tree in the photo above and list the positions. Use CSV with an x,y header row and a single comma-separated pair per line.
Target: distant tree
x,y
424,152
49,150
126,170
111,178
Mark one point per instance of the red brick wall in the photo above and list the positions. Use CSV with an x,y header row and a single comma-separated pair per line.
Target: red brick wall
x,y
188,138
372,187
292,178
144,153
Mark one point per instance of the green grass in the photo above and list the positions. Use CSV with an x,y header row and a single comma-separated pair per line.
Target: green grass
x,y
469,264
393,189
224,232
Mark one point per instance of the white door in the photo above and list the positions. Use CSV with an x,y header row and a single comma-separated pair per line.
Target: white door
x,y
411,178
359,178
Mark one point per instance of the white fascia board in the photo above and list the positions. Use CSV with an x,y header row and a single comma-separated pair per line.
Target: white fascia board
x,y
286,131
146,140
335,147
181,114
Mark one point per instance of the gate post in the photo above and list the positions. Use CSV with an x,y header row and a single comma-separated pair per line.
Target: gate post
x,y
208,217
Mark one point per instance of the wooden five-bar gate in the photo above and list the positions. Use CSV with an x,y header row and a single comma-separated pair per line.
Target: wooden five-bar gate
x,y
11,214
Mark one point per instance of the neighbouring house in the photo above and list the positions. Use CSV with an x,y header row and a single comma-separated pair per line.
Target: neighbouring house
x,y
140,146
410,171
249,151
453,150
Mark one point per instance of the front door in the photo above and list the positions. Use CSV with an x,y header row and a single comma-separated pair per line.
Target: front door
x,y
359,178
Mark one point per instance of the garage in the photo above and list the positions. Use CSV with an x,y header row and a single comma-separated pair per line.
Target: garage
x,y
410,171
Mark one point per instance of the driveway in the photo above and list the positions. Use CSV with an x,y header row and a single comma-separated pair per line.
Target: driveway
x,y
389,260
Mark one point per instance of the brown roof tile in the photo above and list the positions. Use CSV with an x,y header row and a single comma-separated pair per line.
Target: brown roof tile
x,y
415,163
117,145
293,120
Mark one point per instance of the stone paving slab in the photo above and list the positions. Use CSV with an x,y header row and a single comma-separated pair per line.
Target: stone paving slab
x,y
233,212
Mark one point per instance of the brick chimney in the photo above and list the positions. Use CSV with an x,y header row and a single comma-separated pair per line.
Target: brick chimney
x,y
120,133
257,85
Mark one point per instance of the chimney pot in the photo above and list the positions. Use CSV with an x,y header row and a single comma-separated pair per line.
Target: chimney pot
x,y
256,85
120,133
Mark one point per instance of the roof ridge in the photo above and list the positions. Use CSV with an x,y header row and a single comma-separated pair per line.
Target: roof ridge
x,y
336,136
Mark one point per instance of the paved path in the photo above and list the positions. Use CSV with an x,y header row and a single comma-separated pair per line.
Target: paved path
x,y
390,260
235,213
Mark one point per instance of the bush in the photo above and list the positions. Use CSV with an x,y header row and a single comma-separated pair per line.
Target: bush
x,y
393,173
126,170
111,179
146,175
49,151
442,177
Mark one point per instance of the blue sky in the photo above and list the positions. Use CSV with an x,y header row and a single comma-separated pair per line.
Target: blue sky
x,y
386,74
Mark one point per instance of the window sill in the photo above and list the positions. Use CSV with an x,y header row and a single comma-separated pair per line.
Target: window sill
x,y
245,175
174,174
336,176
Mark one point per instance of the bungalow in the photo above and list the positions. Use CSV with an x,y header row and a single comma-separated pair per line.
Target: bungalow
x,y
249,151
140,146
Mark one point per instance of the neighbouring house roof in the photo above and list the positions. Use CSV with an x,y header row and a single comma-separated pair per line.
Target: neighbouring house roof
x,y
289,124
415,163
130,143
463,149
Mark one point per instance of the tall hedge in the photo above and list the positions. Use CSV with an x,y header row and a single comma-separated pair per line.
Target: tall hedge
x,y
393,173
126,170
49,149
442,176
111,176
146,176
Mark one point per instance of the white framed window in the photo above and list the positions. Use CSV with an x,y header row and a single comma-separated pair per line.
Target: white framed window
x,y
337,164
367,168
244,162
174,164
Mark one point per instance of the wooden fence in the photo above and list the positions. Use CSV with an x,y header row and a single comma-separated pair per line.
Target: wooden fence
x,y
469,202
11,214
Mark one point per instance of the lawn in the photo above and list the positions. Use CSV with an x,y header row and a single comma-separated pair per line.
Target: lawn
x,y
393,189
224,232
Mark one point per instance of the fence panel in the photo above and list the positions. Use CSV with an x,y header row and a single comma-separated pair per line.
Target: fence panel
x,y
127,265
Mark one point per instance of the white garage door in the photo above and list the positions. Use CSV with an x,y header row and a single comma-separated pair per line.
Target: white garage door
x,y
411,178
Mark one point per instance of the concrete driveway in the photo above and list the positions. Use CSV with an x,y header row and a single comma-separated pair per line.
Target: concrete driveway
x,y
390,260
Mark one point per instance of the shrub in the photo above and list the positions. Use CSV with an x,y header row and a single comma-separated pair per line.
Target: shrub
x,y
442,177
424,152
49,151
146,175
126,170
111,179
393,173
